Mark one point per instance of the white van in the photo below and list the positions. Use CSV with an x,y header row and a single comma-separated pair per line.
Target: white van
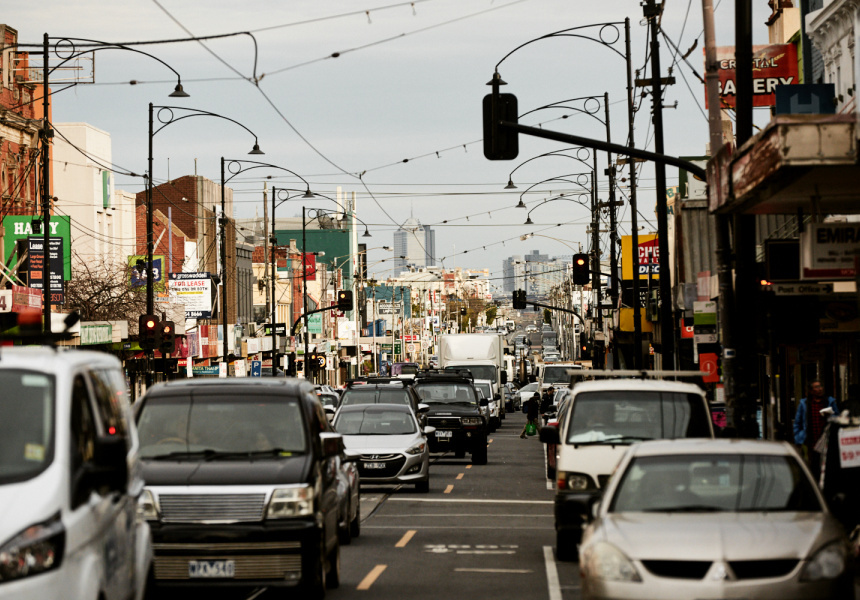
x,y
69,478
605,417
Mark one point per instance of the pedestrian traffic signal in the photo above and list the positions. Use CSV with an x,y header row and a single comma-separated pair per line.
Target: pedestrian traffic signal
x,y
147,332
519,299
500,143
581,274
167,339
344,300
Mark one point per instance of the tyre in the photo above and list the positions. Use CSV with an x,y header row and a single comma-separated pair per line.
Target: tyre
x,y
343,535
315,577
503,415
479,452
565,545
355,524
460,452
422,487
550,472
332,580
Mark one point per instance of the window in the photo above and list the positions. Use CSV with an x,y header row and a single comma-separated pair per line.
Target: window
x,y
108,402
83,438
26,424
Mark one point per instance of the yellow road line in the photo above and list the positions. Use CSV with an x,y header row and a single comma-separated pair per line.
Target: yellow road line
x,y
460,475
490,442
371,577
405,539
468,466
448,489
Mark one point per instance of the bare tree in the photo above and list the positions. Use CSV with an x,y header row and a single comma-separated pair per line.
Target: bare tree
x,y
102,292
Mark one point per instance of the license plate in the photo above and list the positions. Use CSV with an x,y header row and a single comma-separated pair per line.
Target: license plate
x,y
211,568
374,465
441,433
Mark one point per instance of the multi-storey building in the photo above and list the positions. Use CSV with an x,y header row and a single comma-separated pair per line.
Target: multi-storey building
x,y
416,243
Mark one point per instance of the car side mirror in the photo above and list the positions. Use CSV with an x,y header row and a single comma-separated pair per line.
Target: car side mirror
x,y
423,408
497,396
429,430
549,435
108,470
332,444
483,402
504,377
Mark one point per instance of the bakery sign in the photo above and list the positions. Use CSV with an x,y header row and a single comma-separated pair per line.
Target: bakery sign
x,y
772,66
828,251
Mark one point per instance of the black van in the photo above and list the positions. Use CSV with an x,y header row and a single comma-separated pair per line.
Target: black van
x,y
241,485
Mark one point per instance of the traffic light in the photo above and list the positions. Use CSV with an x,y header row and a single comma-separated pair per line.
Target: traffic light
x,y
344,300
581,274
500,143
463,311
148,333
317,362
585,350
167,341
519,299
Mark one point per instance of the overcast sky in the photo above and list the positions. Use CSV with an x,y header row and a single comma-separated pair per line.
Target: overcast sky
x,y
408,84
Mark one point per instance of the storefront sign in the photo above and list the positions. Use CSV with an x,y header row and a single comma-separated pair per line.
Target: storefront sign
x,y
773,65
801,289
315,323
205,370
36,259
648,257
20,227
849,447
704,313
828,250
92,333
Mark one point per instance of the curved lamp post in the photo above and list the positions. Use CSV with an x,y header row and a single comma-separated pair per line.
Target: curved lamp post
x,y
578,181
235,167
557,198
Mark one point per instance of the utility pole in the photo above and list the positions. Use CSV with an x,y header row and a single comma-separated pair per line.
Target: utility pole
x,y
613,228
634,208
667,328
224,309
47,134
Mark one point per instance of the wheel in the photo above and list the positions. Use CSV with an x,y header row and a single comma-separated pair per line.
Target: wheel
x,y
422,486
315,580
355,525
550,472
503,415
332,580
343,535
565,545
479,452
460,452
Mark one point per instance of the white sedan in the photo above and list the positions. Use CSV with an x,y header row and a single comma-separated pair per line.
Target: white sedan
x,y
703,518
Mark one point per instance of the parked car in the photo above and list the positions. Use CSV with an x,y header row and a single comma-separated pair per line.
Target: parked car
x,y
713,519
241,484
390,445
526,392
70,477
604,418
485,386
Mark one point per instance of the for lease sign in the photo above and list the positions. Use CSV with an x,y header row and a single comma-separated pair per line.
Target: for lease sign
x,y
194,290
772,66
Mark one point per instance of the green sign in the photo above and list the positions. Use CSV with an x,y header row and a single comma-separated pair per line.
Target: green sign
x,y
384,348
315,323
397,347
20,227
92,333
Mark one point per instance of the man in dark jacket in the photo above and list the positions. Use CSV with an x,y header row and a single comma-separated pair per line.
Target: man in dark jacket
x,y
809,422
532,414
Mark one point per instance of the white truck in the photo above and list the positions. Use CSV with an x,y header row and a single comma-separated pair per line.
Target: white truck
x,y
480,353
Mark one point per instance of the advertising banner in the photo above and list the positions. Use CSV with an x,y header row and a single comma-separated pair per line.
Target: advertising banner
x,y
648,257
315,323
310,263
138,277
194,290
828,250
35,263
20,227
772,66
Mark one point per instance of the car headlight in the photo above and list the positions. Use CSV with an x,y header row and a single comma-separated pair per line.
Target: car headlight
x,y
146,507
573,481
471,420
605,561
289,502
417,449
827,563
37,549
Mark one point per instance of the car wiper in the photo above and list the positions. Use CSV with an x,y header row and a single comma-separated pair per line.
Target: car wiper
x,y
615,440
273,453
463,402
183,454
691,508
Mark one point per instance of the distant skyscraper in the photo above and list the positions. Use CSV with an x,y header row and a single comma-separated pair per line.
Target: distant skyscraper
x,y
417,243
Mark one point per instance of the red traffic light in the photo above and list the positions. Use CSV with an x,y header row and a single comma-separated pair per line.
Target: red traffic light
x,y
150,324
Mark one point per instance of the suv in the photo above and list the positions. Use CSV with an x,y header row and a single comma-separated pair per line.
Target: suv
x,y
242,486
456,413
70,478
603,418
384,390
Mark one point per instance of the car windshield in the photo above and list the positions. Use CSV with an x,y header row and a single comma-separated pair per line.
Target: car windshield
x,y
446,393
216,424
375,395
374,421
477,371
328,399
26,424
556,375
629,416
485,389
715,483
532,387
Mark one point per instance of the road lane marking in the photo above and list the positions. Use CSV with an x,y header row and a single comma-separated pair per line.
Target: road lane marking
x,y
448,489
374,574
405,539
482,515
462,570
551,574
471,500
490,442
468,466
460,475
491,527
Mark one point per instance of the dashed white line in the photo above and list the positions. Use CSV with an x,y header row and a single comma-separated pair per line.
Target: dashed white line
x,y
551,574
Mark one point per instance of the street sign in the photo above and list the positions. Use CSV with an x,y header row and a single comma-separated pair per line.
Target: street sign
x,y
828,250
388,308
801,289
256,368
280,329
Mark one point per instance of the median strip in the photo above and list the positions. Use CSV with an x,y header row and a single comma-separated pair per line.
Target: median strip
x,y
371,577
405,539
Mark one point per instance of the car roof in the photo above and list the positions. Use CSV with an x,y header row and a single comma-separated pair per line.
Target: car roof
x,y
50,359
659,385
375,407
710,446
255,385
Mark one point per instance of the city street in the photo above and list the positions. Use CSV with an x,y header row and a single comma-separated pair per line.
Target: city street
x,y
481,532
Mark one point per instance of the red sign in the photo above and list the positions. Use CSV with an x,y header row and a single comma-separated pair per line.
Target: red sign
x,y
708,364
310,265
772,66
686,332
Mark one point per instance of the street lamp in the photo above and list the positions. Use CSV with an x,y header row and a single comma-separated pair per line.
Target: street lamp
x,y
581,180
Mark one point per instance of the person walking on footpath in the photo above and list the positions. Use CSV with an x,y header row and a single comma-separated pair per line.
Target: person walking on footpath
x,y
809,423
532,413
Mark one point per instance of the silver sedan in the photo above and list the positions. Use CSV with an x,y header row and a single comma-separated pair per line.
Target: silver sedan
x,y
391,445
713,519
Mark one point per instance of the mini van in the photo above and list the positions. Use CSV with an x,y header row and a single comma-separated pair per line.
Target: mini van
x,y
603,419
70,478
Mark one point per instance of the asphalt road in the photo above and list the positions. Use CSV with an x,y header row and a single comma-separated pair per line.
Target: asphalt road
x,y
483,531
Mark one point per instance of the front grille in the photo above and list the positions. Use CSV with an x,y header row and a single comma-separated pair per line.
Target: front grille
x,y
197,508
762,569
393,464
444,422
218,547
678,569
602,480
264,566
